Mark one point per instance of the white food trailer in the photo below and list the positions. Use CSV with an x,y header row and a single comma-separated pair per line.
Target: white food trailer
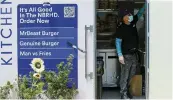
x,y
80,15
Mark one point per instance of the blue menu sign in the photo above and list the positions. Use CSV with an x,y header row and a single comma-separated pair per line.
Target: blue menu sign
x,y
43,32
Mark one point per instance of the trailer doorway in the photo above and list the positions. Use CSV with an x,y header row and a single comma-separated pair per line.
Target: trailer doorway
x,y
107,20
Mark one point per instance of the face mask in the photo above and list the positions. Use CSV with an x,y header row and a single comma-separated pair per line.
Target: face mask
x,y
130,18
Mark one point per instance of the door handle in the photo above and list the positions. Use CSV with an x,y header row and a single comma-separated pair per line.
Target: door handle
x,y
100,57
112,57
91,29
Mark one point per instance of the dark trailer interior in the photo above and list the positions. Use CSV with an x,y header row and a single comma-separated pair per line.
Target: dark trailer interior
x,y
107,20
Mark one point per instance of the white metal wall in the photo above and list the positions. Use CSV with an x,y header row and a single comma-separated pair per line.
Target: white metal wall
x,y
160,63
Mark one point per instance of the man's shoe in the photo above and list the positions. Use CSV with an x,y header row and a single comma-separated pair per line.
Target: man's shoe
x,y
129,95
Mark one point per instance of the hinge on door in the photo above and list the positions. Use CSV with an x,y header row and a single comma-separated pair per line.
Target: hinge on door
x,y
91,75
90,28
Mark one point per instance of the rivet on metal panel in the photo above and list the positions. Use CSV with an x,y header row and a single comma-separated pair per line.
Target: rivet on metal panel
x,y
90,28
91,75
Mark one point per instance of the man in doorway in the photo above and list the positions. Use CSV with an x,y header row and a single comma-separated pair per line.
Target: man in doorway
x,y
126,41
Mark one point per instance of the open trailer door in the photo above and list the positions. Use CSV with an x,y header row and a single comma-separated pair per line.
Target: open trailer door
x,y
50,30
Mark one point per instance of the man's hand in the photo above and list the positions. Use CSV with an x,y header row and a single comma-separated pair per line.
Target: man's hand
x,y
121,59
141,11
